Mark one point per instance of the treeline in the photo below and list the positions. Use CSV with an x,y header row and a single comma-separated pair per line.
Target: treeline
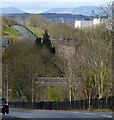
x,y
56,31
26,62
68,18
88,70
8,21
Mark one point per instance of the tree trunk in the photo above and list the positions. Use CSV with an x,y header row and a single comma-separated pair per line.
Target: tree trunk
x,y
101,78
70,94
89,100
32,90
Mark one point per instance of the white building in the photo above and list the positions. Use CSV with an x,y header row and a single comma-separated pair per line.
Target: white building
x,y
96,21
83,23
77,24
88,22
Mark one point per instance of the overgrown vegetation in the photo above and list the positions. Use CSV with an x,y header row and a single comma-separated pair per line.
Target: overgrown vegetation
x,y
27,66
54,94
87,70
98,32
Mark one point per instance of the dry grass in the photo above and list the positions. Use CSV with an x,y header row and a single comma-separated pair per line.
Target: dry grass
x,y
36,30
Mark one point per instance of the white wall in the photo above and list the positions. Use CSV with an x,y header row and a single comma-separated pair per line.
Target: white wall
x,y
87,23
96,21
77,24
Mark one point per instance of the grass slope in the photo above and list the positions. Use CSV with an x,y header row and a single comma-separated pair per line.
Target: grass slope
x,y
8,32
36,30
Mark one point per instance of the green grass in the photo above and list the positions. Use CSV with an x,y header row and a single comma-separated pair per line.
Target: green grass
x,y
9,30
12,31
36,30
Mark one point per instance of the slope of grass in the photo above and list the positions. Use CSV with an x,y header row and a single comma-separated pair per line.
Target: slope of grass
x,y
36,30
12,31
8,30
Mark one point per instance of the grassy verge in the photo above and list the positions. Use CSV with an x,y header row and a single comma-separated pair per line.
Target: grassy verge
x,y
13,37
12,31
36,30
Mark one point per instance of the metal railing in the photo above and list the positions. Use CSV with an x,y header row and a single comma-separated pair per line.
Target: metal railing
x,y
103,103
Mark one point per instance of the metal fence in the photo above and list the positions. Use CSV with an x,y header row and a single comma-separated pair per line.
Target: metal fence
x,y
104,103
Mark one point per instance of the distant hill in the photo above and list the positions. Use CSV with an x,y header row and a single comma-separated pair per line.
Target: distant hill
x,y
60,10
83,10
11,15
54,17
64,18
10,10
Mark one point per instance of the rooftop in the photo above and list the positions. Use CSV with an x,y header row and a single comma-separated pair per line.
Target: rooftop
x,y
4,42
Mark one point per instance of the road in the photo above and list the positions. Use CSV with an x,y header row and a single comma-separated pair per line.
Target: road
x,y
24,32
32,114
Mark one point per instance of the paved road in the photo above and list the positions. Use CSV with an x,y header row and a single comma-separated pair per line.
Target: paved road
x,y
31,114
24,32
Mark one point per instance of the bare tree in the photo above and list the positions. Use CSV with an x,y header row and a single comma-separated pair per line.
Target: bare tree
x,y
106,13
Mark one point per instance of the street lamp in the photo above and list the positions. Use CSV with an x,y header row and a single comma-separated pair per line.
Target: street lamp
x,y
6,81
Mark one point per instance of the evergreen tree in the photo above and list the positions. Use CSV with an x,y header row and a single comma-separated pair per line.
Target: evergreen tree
x,y
38,41
53,49
46,40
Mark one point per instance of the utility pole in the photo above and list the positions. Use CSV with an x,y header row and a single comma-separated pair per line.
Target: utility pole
x,y
6,81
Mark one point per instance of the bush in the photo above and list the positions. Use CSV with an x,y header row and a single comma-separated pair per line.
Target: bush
x,y
54,95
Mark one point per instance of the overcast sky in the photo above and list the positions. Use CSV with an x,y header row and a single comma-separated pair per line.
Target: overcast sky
x,y
37,6
53,0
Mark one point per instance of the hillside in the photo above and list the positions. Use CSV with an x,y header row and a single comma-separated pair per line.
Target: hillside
x,y
7,30
37,24
64,18
36,30
83,10
10,10
53,17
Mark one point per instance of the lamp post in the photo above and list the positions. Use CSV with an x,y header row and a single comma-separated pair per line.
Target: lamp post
x,y
6,81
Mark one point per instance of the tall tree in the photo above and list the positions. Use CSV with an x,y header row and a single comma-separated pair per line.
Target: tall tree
x,y
46,40
106,12
38,41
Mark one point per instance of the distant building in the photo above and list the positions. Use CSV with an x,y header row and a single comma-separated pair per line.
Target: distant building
x,y
89,22
5,43
52,81
83,23
96,21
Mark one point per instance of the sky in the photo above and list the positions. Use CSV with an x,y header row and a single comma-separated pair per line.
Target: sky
x,y
38,6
